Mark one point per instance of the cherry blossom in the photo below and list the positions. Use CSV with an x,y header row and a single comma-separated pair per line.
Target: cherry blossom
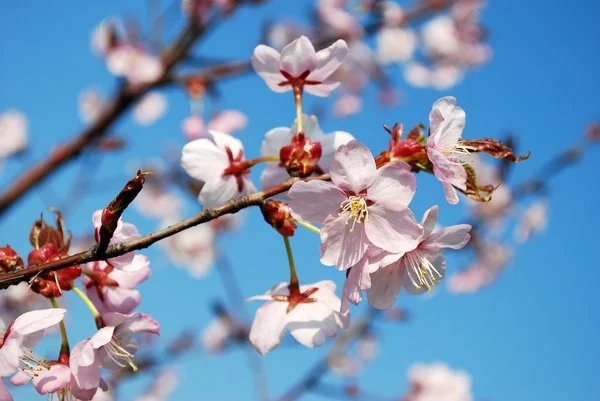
x,y
299,64
155,203
104,36
282,34
533,219
162,386
395,45
22,335
440,37
419,269
363,205
340,21
437,382
216,335
226,121
123,233
279,137
90,105
150,108
393,13
347,105
112,347
444,148
113,290
311,316
220,165
13,133
134,64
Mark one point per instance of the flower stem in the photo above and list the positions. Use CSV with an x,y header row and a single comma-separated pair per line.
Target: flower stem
x,y
64,347
298,100
253,162
294,286
309,226
87,302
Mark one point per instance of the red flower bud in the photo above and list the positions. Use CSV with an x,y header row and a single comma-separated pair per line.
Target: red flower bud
x,y
406,148
277,214
301,157
9,260
42,255
52,284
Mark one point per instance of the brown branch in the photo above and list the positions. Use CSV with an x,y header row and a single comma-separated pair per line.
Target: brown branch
x,y
92,254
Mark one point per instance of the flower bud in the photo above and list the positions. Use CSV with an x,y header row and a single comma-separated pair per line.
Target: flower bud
x,y
301,157
593,132
277,214
406,148
52,284
9,260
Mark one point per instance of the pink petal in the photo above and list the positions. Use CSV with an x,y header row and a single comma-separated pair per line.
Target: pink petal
x,y
10,353
310,126
329,60
449,130
136,323
386,284
268,327
266,63
392,229
310,324
135,273
314,201
38,320
443,168
353,167
323,89
429,219
224,141
217,191
203,160
278,289
454,237
50,381
274,140
329,144
339,246
87,377
298,57
194,128
450,192
99,339
272,175
394,184
4,394
122,300
228,121
357,280
20,378
80,394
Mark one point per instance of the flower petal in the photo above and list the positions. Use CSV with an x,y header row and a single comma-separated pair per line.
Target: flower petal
x,y
410,278
298,57
4,394
323,89
268,327
311,323
135,323
394,184
340,246
329,144
37,320
272,175
53,379
228,121
353,167
386,284
203,160
122,300
329,60
454,237
314,201
450,192
87,377
429,220
393,229
266,63
10,353
274,140
218,191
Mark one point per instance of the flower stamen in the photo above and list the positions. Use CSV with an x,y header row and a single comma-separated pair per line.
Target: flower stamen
x,y
423,270
119,355
357,208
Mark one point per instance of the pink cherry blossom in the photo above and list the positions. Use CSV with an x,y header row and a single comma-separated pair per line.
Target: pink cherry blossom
x,y
420,269
112,347
220,165
395,45
103,36
134,64
150,108
216,335
124,232
347,105
299,63
533,219
279,137
311,316
4,393
437,382
362,206
22,335
13,133
340,21
440,37
444,148
157,203
91,103
113,290
226,121
393,13
417,74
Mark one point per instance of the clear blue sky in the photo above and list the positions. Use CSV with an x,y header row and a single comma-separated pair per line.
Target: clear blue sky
x,y
532,336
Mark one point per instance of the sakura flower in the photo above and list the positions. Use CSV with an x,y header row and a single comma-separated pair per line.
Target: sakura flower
x,y
56,379
104,36
280,34
417,75
311,316
395,45
495,212
279,137
533,219
226,121
4,393
217,334
362,206
419,269
22,335
90,105
113,290
445,76
347,105
438,382
112,347
159,204
123,233
299,64
134,64
192,249
393,13
13,133
444,147
150,108
220,165
440,37
162,385
340,21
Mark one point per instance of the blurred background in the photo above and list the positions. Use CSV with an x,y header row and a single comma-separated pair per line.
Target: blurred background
x,y
517,314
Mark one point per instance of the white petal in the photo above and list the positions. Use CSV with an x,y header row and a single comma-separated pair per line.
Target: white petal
x,y
329,60
266,63
268,327
298,57
353,167
202,160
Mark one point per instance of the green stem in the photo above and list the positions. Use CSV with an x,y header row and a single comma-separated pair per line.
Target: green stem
x,y
309,226
294,286
64,347
88,302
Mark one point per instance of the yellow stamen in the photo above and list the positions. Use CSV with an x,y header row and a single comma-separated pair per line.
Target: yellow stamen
x,y
357,206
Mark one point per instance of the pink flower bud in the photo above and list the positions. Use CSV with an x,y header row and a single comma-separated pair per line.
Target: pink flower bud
x,y
277,214
301,157
9,260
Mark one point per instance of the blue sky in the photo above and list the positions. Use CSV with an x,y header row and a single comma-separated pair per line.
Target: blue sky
x,y
531,336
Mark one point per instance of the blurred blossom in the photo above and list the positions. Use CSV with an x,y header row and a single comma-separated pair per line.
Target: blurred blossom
x,y
347,105
393,13
90,105
437,382
440,37
494,212
13,133
134,64
158,204
225,121
216,335
150,108
356,71
445,76
162,386
104,36
395,45
192,249
417,74
533,219
340,21
282,33
16,300
354,363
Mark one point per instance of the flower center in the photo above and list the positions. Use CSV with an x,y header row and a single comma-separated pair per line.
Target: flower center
x,y
31,364
356,206
64,394
459,151
424,271
117,352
